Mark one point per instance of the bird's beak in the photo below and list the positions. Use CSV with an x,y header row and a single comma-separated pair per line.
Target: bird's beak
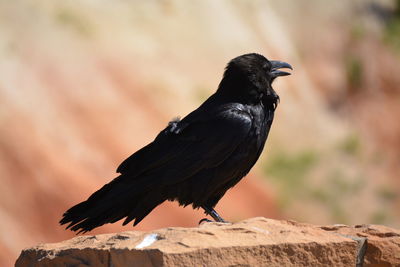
x,y
276,65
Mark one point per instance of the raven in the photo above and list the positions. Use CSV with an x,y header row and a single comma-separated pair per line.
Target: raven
x,y
194,160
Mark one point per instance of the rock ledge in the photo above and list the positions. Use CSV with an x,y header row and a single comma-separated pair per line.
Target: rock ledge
x,y
252,242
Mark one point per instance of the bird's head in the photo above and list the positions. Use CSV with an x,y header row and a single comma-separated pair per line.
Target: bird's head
x,y
250,77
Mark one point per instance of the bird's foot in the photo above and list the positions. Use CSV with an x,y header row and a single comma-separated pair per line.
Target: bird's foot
x,y
205,220
213,214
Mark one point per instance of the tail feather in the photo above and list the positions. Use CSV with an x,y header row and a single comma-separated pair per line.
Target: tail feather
x,y
144,207
120,198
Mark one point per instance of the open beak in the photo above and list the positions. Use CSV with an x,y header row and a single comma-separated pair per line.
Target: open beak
x,y
276,65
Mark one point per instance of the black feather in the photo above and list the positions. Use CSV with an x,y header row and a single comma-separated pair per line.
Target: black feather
x,y
194,160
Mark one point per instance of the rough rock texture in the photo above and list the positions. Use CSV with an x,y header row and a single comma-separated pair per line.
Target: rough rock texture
x,y
383,243
253,242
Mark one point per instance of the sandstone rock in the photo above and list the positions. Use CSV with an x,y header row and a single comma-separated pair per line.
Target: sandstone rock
x,y
253,242
383,243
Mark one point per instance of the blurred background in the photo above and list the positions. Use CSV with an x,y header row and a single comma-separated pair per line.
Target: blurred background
x,y
83,84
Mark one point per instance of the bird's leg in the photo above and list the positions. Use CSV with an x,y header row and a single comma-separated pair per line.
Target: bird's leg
x,y
213,214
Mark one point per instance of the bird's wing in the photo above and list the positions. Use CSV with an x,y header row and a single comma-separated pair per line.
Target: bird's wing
x,y
187,146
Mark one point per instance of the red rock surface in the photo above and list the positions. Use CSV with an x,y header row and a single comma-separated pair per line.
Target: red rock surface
x,y
253,242
383,243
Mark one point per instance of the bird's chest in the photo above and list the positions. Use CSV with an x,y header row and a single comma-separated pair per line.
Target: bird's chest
x,y
254,143
262,119
247,153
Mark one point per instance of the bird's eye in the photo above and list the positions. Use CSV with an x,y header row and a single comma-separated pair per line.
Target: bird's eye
x,y
267,67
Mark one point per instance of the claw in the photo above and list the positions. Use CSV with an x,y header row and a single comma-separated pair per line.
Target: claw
x,y
205,220
213,214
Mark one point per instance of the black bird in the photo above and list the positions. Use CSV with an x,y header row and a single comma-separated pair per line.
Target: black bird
x,y
194,160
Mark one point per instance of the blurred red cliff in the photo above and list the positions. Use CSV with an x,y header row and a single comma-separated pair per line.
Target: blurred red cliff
x,y
83,86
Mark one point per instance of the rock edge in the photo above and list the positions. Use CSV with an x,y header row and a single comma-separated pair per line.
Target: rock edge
x,y
253,242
